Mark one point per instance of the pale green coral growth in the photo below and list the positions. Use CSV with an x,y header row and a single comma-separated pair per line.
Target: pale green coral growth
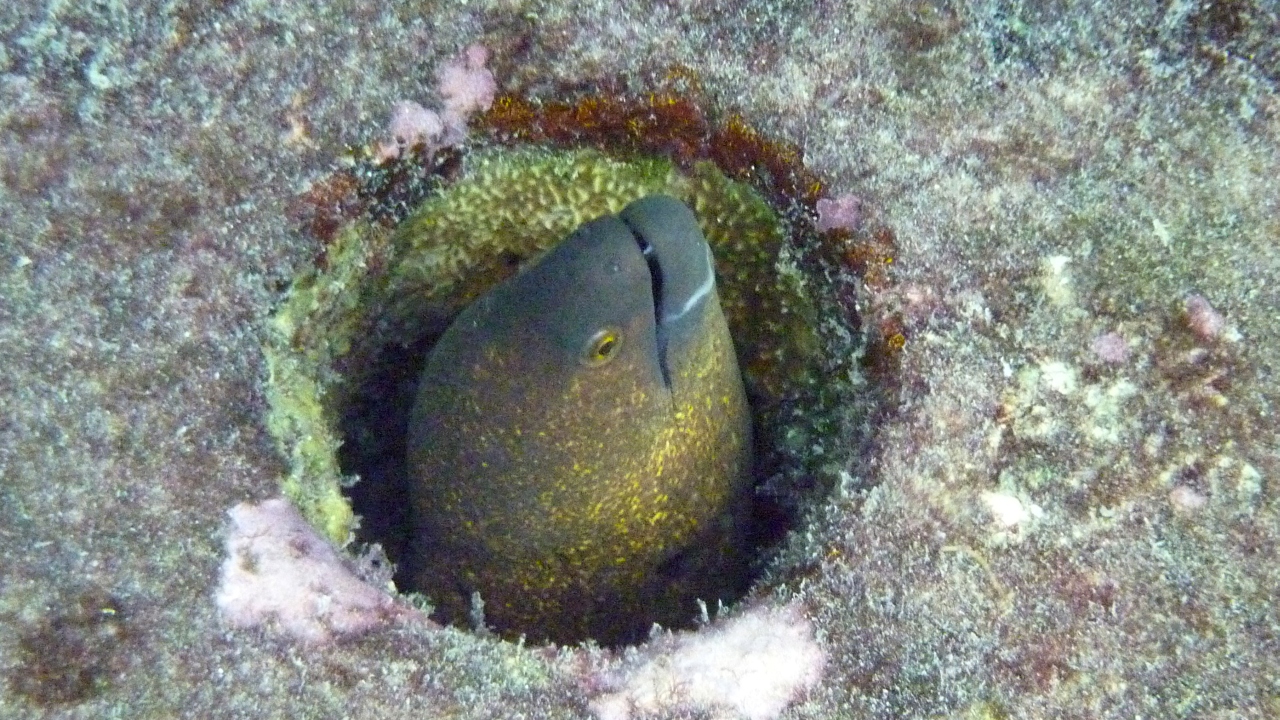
x,y
517,203
316,324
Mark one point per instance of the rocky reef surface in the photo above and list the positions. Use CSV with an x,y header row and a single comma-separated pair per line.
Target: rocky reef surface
x,y
1068,507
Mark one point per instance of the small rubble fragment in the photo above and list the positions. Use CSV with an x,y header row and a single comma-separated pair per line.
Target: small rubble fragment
x,y
1207,323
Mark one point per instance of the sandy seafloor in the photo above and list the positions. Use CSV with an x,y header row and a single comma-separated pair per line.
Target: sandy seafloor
x,y
1071,510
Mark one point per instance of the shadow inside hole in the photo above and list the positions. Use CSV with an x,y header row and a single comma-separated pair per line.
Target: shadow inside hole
x,y
375,429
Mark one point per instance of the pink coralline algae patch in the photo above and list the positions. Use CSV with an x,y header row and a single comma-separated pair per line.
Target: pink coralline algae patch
x,y
465,85
1110,348
841,213
412,124
1186,500
751,666
279,571
1208,324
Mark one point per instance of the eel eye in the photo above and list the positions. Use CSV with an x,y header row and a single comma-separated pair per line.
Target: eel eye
x,y
602,347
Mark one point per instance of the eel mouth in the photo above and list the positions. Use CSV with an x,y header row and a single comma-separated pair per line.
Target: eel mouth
x,y
681,268
655,278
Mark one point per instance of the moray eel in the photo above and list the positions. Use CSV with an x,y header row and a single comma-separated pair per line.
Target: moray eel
x,y
580,445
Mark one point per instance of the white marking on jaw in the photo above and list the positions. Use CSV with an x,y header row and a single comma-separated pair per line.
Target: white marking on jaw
x,y
703,290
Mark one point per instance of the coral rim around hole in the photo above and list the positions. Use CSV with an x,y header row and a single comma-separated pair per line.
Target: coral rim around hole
x,y
350,337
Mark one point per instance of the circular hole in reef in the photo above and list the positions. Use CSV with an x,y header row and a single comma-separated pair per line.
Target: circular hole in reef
x,y
349,341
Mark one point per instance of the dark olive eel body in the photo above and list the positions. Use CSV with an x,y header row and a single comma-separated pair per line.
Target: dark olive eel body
x,y
580,447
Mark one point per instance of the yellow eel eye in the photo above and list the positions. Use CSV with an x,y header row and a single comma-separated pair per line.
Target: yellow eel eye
x,y
602,347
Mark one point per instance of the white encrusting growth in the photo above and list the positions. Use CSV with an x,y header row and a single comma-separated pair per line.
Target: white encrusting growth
x,y
750,667
280,571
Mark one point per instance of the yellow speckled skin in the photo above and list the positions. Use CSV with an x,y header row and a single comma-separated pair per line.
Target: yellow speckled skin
x,y
580,498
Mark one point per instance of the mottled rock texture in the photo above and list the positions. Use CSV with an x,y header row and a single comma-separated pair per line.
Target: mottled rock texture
x,y
1044,524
